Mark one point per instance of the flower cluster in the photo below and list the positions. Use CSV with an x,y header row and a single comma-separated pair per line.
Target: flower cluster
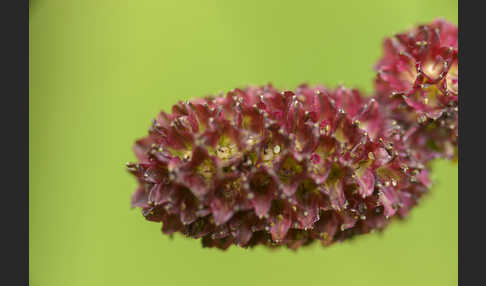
x,y
285,168
417,81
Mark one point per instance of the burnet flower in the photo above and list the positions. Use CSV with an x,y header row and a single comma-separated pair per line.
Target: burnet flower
x,y
285,168
417,81
259,166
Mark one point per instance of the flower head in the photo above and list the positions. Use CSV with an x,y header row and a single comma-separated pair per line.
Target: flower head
x,y
417,82
260,166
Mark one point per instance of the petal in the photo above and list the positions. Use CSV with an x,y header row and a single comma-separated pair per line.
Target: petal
x,y
366,181
222,211
347,221
160,193
171,224
389,199
327,227
336,195
198,228
140,198
406,203
308,215
242,231
142,146
280,227
262,203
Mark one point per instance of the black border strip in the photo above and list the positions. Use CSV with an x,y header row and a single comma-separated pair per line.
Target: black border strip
x,y
15,135
472,145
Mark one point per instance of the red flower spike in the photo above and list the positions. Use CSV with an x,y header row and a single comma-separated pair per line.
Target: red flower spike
x,y
262,167
417,83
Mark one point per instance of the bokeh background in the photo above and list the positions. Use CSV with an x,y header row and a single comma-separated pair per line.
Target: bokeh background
x,y
100,70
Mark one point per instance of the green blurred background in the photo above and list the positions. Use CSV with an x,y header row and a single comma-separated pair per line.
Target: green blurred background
x,y
100,70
